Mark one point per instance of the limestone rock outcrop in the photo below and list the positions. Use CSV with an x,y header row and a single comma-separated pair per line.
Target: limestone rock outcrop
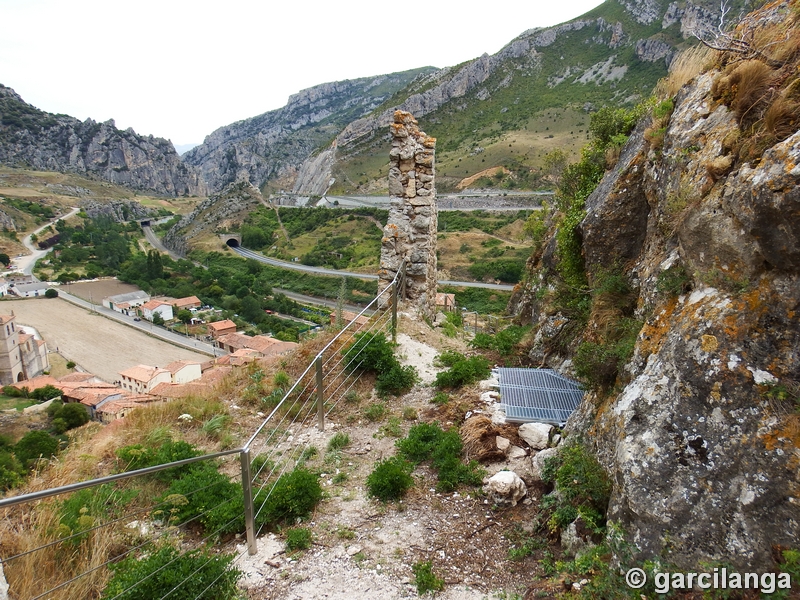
x,y
410,233
219,212
699,435
35,139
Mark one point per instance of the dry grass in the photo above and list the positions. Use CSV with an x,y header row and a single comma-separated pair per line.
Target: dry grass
x,y
685,67
719,166
782,118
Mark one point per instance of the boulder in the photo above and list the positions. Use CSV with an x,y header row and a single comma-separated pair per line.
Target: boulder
x,y
537,462
505,488
537,435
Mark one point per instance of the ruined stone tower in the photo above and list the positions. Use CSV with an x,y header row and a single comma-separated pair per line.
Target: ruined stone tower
x,y
410,232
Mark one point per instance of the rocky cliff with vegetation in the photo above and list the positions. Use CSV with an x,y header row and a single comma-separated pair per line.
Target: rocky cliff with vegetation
x,y
667,278
336,131
35,139
274,145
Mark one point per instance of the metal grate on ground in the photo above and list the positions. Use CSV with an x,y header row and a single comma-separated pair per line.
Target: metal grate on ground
x,y
537,395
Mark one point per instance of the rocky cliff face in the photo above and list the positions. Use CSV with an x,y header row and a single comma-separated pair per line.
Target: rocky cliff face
x,y
275,144
36,139
218,213
700,432
538,62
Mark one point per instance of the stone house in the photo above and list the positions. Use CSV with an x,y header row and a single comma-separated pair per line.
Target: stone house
x,y
141,379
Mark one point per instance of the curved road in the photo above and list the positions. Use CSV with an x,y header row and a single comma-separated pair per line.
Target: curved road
x,y
27,262
247,253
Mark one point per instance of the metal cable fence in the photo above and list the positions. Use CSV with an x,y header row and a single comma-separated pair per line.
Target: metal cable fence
x,y
63,543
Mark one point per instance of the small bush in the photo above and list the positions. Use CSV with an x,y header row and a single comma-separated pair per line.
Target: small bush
x,y
440,398
370,352
51,293
581,487
410,413
396,380
197,575
462,371
298,538
70,364
338,441
427,441
390,479
674,281
35,445
375,411
206,497
293,498
392,428
138,456
73,415
425,579
45,393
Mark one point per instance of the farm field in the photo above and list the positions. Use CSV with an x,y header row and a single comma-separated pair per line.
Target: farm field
x,y
99,345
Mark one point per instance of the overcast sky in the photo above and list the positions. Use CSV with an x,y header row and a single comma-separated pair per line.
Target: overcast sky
x,y
179,69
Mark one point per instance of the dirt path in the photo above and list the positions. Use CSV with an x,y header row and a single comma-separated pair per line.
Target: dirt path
x,y
97,344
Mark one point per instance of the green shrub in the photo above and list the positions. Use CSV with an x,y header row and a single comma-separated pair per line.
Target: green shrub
x,y
70,364
390,479
35,445
375,411
294,497
197,575
462,371
298,538
207,497
338,441
369,352
599,363
392,428
80,509
45,393
582,487
72,414
138,456
504,342
440,398
425,579
420,442
428,442
396,380
674,281
11,470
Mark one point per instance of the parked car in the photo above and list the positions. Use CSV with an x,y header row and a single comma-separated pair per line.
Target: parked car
x,y
136,319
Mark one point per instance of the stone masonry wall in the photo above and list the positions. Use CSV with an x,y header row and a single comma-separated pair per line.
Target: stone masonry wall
x,y
410,232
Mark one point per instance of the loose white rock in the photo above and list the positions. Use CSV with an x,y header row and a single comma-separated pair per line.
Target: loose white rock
x,y
537,435
505,488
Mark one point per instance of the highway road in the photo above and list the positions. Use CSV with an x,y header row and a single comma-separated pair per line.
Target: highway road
x,y
247,253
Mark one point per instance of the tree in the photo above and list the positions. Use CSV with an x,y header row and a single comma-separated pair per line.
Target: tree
x,y
35,445
5,259
45,393
155,268
73,414
51,293
158,319
184,316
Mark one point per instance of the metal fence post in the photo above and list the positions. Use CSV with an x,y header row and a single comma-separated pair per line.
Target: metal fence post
x,y
394,311
249,513
320,398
